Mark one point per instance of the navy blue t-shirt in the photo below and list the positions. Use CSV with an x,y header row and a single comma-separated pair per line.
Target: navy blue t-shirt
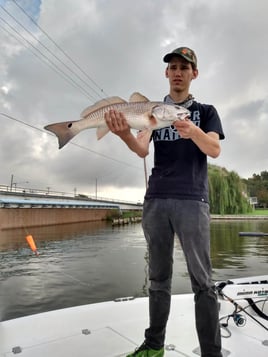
x,y
180,167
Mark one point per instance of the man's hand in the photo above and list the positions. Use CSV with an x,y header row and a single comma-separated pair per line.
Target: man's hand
x,y
186,128
117,123
208,143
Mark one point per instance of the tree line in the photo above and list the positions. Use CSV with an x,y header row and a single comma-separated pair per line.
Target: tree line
x,y
257,186
229,193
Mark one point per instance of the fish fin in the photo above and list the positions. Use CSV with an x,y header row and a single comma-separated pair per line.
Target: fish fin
x,y
101,104
102,131
137,97
65,131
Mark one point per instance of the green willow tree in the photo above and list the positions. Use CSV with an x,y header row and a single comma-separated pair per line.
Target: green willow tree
x,y
227,192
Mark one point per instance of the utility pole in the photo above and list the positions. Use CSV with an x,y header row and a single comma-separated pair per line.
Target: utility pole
x,y
11,182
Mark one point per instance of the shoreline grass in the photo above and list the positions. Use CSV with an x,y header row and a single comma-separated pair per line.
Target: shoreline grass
x,y
259,212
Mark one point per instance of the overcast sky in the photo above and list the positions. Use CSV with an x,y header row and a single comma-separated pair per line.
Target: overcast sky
x,y
115,47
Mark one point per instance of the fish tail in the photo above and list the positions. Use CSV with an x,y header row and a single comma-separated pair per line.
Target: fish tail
x,y
64,131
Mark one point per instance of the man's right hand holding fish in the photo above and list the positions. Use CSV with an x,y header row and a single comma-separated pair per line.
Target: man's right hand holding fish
x,y
118,125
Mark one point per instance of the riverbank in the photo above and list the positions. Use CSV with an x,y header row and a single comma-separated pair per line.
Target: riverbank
x,y
238,217
126,220
215,217
29,217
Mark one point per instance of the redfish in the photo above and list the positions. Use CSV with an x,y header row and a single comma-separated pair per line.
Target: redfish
x,y
140,113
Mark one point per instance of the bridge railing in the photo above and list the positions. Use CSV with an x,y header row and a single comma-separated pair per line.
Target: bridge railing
x,y
18,190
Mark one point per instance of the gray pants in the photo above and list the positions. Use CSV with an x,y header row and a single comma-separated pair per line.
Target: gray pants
x,y
190,220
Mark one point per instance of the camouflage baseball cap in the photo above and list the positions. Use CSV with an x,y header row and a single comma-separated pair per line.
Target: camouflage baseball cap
x,y
184,52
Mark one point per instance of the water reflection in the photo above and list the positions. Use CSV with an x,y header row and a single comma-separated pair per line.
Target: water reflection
x,y
13,239
240,256
91,262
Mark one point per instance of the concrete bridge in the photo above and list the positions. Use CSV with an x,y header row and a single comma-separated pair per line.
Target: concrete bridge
x,y
18,209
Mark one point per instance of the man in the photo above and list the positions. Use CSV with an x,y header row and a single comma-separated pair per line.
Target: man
x,y
176,201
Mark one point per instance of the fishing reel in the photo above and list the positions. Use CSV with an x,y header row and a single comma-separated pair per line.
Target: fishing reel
x,y
239,320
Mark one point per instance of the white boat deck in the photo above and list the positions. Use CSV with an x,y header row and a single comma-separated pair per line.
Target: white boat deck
x,y
114,329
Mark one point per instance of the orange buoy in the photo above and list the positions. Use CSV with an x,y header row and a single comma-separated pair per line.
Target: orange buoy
x,y
31,243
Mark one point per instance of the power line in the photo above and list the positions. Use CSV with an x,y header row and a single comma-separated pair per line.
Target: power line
x,y
59,48
58,69
50,52
52,65
46,61
22,122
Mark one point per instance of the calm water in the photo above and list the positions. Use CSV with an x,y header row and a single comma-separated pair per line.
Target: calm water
x,y
93,262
